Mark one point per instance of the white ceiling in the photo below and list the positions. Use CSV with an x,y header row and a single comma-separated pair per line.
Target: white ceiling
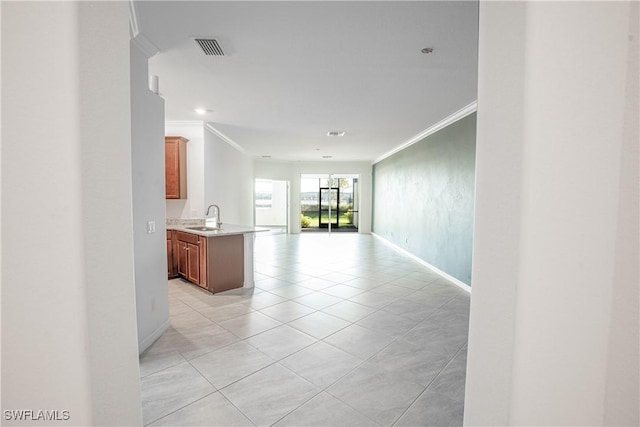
x,y
295,70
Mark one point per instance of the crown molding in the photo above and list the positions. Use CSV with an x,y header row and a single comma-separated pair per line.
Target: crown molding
x,y
134,30
137,38
460,114
225,138
207,126
145,45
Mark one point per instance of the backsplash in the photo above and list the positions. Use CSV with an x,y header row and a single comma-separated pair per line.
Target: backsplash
x,y
185,222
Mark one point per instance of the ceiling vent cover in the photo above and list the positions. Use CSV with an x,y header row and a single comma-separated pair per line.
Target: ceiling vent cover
x,y
336,133
210,47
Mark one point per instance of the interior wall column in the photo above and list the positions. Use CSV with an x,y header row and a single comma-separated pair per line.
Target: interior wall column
x,y
68,305
549,233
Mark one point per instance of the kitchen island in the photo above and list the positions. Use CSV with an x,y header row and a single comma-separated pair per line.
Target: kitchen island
x,y
216,259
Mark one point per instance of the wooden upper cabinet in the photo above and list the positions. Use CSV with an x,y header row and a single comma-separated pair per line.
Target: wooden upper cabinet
x,y
175,167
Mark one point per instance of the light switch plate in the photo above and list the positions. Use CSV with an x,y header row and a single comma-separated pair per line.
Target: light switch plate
x,y
151,227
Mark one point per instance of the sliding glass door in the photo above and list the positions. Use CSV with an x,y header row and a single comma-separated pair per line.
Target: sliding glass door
x,y
329,202
329,213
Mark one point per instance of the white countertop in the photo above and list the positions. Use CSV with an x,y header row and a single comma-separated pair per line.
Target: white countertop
x,y
226,230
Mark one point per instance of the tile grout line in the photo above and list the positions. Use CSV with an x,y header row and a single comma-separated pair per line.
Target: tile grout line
x,y
324,390
429,385
371,255
182,407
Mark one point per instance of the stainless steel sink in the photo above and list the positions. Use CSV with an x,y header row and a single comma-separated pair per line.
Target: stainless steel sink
x,y
202,228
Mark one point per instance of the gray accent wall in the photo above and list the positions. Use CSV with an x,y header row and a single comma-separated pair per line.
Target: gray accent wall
x,y
423,198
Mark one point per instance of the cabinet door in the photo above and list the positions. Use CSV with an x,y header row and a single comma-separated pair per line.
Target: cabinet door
x,y
183,259
193,269
169,258
175,167
172,169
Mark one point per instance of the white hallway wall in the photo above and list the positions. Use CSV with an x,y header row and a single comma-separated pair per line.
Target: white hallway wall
x,y
68,303
147,167
554,311
292,171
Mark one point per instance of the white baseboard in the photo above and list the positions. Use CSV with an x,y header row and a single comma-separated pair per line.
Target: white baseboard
x,y
436,270
146,343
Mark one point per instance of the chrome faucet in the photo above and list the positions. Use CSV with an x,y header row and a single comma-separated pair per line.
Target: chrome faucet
x,y
218,221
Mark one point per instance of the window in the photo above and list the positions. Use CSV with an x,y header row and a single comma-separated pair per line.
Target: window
x,y
264,194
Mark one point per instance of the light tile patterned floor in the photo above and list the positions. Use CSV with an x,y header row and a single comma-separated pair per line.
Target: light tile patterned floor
x,y
340,330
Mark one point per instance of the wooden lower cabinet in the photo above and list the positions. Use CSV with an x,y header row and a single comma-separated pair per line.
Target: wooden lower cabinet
x,y
225,262
172,256
191,253
193,264
213,263
183,259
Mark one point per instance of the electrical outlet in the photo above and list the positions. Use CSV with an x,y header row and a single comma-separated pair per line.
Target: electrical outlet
x,y
151,227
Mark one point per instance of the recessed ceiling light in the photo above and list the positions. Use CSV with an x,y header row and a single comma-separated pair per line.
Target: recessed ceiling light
x,y
200,111
335,133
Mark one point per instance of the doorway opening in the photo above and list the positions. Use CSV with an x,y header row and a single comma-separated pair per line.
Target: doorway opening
x,y
329,202
272,205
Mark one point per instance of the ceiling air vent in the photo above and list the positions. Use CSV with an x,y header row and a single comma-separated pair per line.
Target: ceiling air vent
x,y
210,47
336,133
